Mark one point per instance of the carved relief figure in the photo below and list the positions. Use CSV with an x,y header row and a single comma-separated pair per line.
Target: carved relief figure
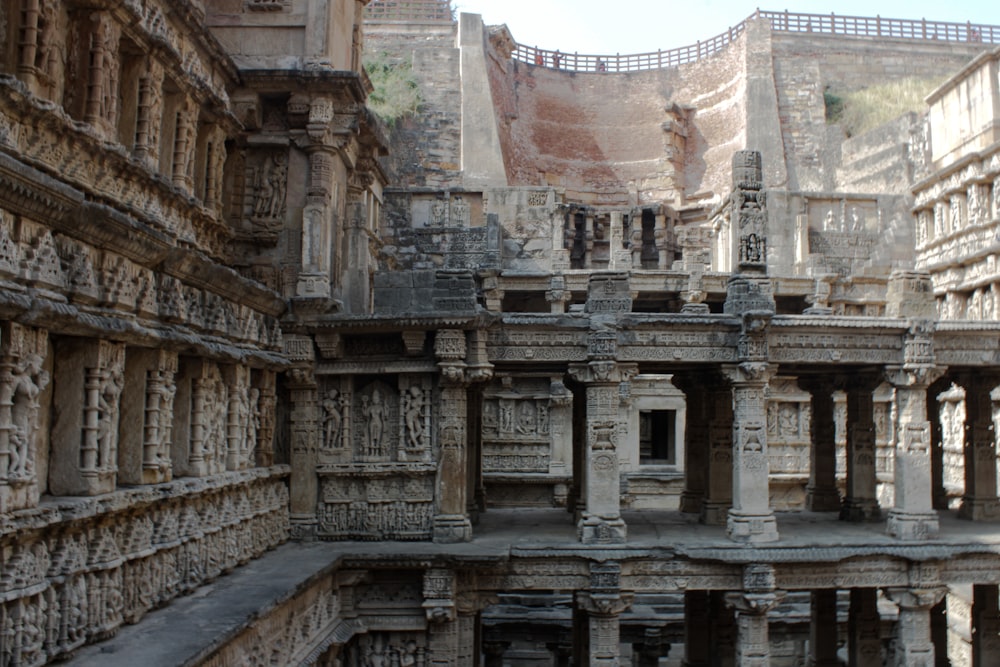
x,y
526,419
332,419
107,421
270,188
29,380
413,407
787,422
374,413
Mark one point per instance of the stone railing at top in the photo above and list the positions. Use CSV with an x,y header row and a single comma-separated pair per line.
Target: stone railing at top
x,y
409,11
830,24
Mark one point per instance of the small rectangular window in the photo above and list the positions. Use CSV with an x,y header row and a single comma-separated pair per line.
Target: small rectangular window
x,y
656,437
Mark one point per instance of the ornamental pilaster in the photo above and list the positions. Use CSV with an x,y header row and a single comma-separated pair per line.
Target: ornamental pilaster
x,y
451,522
912,516
305,437
751,518
606,382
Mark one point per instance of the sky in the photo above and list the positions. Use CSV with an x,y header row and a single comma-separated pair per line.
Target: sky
x,y
639,26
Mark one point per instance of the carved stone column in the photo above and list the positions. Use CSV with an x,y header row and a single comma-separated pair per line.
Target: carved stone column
x,y
442,623
861,503
823,629
751,518
913,516
697,629
451,522
985,625
319,217
696,449
821,492
913,639
305,438
752,639
864,644
603,605
719,467
601,520
980,499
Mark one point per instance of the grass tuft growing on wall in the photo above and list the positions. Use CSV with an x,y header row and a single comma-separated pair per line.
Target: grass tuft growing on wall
x,y
396,92
858,111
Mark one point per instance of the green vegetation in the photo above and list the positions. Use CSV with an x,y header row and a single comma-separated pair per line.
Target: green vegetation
x,y
396,91
858,111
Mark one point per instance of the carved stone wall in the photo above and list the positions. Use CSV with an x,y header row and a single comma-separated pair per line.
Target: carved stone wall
x,y
74,578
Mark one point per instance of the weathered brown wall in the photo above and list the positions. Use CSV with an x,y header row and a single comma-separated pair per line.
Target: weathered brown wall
x,y
601,136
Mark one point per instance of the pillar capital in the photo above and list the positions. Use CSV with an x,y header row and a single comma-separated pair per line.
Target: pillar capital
x,y
754,604
913,376
749,372
916,599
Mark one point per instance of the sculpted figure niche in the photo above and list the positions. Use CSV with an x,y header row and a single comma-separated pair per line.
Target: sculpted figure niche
x,y
28,380
333,419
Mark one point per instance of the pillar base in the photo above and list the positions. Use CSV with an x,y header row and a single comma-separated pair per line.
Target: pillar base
x,y
860,510
596,530
823,499
302,527
714,513
751,528
452,528
692,503
911,525
979,509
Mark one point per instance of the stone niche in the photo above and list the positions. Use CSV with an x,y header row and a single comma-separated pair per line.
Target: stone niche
x,y
842,233
527,441
651,447
789,417
376,465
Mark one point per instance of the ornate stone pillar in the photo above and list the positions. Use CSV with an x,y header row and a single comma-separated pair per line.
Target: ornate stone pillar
x,y
698,647
980,499
752,605
821,492
861,503
823,629
719,467
752,639
601,521
913,629
751,518
864,644
442,619
913,516
305,436
451,522
985,625
603,605
696,449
